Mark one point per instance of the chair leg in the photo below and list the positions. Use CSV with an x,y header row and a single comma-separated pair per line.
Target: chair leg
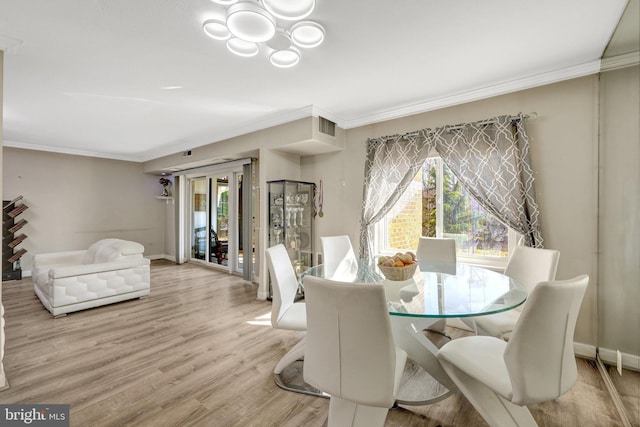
x,y
496,411
344,413
295,353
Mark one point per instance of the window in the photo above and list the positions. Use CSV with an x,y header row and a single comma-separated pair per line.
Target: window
x,y
437,205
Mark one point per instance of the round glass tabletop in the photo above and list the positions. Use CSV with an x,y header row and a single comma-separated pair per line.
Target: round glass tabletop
x,y
435,290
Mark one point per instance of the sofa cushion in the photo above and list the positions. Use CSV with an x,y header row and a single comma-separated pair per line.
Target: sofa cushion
x,y
107,250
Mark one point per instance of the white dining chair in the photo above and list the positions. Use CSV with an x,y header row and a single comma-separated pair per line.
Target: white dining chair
x,y
437,254
338,256
529,266
537,364
285,312
350,351
436,250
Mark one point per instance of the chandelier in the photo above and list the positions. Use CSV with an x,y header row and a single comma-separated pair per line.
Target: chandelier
x,y
278,27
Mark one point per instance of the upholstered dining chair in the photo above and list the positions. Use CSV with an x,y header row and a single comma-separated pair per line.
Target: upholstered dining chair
x,y
529,266
436,250
437,254
337,255
537,364
285,312
350,351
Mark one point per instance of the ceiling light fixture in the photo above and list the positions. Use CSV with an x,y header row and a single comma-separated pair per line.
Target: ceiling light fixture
x,y
224,2
290,10
253,25
285,58
307,34
250,22
216,29
242,47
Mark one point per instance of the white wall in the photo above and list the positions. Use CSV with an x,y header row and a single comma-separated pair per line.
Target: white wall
x,y
75,200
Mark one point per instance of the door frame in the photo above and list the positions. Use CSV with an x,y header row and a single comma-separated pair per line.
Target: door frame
x,y
185,217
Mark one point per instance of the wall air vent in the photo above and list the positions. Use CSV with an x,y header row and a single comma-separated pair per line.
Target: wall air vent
x,y
326,126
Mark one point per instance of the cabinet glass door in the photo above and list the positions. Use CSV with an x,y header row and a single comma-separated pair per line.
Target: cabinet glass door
x,y
291,220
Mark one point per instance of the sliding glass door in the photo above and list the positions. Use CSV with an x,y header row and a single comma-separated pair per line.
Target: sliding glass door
x,y
216,206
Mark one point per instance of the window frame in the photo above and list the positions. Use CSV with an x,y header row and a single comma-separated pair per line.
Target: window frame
x,y
382,232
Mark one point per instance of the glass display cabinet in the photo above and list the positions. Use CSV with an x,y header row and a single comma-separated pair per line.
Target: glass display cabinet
x,y
291,221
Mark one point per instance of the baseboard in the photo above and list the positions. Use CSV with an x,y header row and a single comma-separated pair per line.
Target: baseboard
x,y
161,256
629,361
586,351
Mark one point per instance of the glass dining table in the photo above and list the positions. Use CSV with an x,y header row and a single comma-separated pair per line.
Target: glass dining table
x,y
434,292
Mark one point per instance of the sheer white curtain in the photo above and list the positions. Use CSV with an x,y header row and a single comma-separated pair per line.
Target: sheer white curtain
x,y
490,158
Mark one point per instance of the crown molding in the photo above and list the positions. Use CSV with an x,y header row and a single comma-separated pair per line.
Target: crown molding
x,y
527,82
59,150
620,61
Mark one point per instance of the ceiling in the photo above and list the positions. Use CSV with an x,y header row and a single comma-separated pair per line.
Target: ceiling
x,y
136,80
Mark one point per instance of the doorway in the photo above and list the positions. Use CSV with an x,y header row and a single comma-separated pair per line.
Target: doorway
x,y
216,219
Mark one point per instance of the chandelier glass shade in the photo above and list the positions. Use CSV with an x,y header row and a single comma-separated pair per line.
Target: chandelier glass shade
x,y
272,26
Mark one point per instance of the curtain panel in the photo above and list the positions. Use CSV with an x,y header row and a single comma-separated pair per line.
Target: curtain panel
x,y
490,158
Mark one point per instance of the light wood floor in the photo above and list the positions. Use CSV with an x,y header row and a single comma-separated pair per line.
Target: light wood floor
x,y
200,352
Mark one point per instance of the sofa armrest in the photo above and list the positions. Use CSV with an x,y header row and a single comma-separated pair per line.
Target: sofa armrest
x,y
52,258
58,272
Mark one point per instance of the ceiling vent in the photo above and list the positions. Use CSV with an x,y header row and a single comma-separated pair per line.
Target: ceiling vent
x,y
326,126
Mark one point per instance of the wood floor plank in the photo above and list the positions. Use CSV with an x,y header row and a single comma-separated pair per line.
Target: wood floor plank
x,y
200,351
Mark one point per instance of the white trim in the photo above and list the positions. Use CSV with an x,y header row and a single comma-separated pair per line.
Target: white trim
x,y
586,351
620,61
37,147
526,82
161,256
629,361
231,165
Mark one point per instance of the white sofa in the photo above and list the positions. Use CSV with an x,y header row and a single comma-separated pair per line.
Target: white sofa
x,y
111,270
